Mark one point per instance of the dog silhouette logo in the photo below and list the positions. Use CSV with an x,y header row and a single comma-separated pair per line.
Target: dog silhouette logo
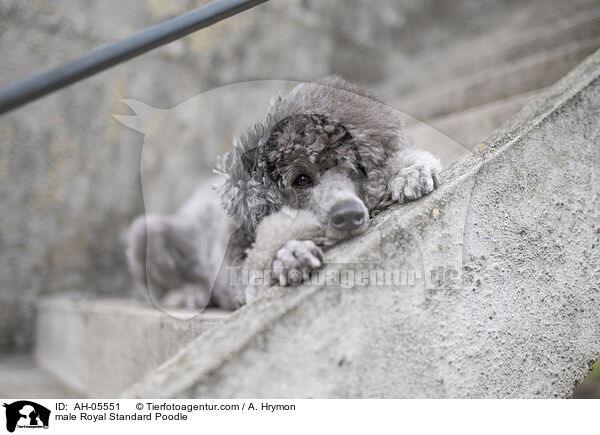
x,y
26,414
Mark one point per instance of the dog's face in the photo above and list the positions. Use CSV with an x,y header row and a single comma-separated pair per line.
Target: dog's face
x,y
315,165
335,197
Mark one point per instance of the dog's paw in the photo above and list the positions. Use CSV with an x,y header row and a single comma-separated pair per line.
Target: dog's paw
x,y
294,262
414,182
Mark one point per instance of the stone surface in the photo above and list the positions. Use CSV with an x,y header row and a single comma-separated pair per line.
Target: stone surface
x,y
504,296
100,347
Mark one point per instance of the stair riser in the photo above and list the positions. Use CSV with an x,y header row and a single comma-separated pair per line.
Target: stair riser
x,y
101,348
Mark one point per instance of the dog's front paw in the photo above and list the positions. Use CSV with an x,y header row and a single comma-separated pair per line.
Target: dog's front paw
x,y
414,182
294,262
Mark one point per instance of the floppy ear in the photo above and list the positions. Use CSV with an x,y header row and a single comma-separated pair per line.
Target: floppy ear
x,y
246,196
248,202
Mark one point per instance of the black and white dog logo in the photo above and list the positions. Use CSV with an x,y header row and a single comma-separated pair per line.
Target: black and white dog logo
x,y
26,414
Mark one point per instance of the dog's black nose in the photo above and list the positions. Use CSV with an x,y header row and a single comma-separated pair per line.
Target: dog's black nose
x,y
347,215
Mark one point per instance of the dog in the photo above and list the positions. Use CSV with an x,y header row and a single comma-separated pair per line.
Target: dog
x,y
328,156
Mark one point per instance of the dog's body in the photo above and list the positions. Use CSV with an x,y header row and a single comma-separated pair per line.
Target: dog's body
x,y
328,156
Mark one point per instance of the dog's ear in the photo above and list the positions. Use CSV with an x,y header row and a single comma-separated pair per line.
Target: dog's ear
x,y
249,160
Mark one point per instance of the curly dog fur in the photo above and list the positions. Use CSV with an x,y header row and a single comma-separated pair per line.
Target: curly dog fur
x,y
327,157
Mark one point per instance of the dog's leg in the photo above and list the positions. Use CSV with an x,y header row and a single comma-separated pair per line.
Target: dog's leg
x,y
286,245
162,256
167,253
295,260
416,174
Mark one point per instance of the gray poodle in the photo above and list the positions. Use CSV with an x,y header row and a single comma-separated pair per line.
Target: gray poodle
x,y
328,156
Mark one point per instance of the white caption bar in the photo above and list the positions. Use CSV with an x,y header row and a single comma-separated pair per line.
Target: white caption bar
x,y
296,416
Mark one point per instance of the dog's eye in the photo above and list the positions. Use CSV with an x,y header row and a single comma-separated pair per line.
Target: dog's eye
x,y
302,180
358,175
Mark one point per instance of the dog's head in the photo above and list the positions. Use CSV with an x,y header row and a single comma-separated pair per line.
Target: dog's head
x,y
314,163
333,164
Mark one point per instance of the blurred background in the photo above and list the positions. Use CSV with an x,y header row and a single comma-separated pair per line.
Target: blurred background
x,y
70,172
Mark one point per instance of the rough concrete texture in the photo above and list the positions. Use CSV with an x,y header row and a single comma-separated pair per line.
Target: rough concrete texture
x,y
70,174
515,229
100,347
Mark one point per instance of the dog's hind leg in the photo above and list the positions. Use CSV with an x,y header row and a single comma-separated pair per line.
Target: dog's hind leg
x,y
168,253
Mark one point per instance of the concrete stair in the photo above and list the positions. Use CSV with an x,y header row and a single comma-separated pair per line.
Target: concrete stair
x,y
97,348
485,82
449,120
497,82
497,47
453,99
455,135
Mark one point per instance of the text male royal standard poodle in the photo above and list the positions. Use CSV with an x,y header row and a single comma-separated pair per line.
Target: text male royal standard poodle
x,y
328,156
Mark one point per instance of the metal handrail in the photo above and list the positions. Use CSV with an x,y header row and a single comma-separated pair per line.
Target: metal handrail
x,y
104,57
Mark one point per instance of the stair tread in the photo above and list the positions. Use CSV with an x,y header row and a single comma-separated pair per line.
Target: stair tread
x,y
100,346
454,135
523,75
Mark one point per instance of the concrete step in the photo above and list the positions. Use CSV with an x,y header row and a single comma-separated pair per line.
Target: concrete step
x,y
498,82
99,347
496,47
524,75
22,378
455,135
